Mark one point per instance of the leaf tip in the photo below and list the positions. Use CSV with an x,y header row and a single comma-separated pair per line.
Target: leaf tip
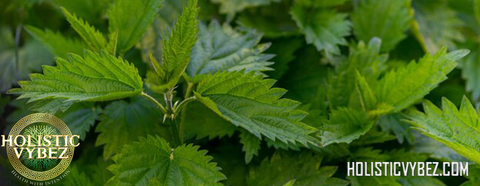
x,y
458,54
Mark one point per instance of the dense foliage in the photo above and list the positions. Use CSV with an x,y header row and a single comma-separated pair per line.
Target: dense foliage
x,y
246,92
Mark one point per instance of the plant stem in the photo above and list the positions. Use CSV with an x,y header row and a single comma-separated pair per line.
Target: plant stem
x,y
177,140
169,115
159,105
189,90
183,104
184,109
176,133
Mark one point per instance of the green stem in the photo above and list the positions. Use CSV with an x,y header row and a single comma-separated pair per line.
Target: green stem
x,y
189,90
177,140
182,122
177,135
155,101
183,108
182,104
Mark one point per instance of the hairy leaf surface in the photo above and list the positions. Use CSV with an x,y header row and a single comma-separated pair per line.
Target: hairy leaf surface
x,y
405,85
122,122
283,168
345,125
363,58
222,48
436,25
456,128
131,20
151,42
177,47
17,62
90,34
248,101
201,122
251,145
151,161
56,42
266,20
320,3
387,20
80,117
324,28
94,77
233,6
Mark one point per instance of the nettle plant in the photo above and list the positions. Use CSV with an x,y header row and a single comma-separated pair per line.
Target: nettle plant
x,y
207,80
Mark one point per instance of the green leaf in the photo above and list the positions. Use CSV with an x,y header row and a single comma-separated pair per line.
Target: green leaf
x,y
284,50
267,20
122,122
177,47
30,58
474,175
89,10
221,48
320,3
56,42
435,149
290,183
366,97
248,101
456,128
131,20
80,118
419,180
251,145
51,106
394,123
324,28
309,70
151,161
111,46
231,159
387,20
233,6
470,68
345,125
373,180
367,60
436,25
406,85
170,12
95,77
90,34
373,136
304,168
151,42
21,110
202,122
93,165
80,178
